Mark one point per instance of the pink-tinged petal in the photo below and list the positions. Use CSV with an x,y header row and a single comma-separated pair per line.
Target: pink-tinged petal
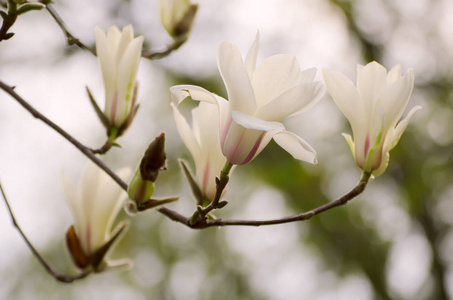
x,y
235,78
250,60
295,146
241,144
345,95
292,101
255,123
274,76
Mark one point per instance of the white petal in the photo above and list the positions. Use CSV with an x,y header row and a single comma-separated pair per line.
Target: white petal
x,y
371,80
126,38
345,95
395,97
186,133
181,92
295,146
274,76
254,123
394,74
308,75
292,101
395,135
235,78
74,204
250,60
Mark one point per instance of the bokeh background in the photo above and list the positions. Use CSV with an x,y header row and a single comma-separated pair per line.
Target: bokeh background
x,y
393,242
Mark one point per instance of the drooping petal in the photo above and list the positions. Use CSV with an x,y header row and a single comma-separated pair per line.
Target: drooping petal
x,y
292,101
274,76
345,95
181,92
235,78
295,146
395,134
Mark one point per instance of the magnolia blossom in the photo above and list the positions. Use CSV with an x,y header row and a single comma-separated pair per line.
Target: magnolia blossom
x,y
373,109
119,54
259,98
202,140
177,16
94,204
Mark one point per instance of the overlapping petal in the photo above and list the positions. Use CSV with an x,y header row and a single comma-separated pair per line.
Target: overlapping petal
x,y
373,109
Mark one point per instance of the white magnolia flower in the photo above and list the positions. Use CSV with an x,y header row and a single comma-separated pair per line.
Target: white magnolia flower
x,y
177,16
119,55
202,140
259,98
94,204
373,109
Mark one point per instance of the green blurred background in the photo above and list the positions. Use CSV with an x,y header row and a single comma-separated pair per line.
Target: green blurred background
x,y
393,242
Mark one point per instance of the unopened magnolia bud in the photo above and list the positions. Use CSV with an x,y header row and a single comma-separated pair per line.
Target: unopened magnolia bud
x,y
177,17
140,190
154,159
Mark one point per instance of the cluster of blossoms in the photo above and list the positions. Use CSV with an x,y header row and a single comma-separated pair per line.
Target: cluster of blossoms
x,y
226,132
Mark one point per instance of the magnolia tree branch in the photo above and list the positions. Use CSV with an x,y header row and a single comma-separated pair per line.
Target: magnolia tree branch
x,y
57,275
196,221
72,40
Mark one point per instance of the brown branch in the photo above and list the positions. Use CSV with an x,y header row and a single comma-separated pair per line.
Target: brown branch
x,y
70,39
57,275
164,53
200,221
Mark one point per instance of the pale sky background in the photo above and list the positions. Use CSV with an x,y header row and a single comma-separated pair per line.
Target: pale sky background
x,y
33,157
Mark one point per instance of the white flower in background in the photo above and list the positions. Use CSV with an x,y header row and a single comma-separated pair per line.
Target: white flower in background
x,y
202,141
259,98
119,55
177,16
94,204
373,109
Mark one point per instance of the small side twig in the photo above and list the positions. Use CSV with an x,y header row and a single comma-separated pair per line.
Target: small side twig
x,y
57,275
164,53
70,39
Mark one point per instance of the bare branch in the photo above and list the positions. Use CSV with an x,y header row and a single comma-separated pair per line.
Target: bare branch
x,y
70,39
57,275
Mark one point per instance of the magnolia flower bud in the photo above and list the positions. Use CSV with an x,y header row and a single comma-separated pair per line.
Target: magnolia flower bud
x,y
177,17
141,187
119,55
94,204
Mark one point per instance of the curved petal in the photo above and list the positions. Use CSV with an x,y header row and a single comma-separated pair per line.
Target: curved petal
x,y
395,97
295,146
308,75
394,74
126,38
235,78
274,76
345,95
250,122
371,80
181,92
250,60
186,133
292,101
395,134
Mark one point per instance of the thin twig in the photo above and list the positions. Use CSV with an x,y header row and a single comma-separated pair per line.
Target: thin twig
x,y
85,150
164,53
57,275
70,39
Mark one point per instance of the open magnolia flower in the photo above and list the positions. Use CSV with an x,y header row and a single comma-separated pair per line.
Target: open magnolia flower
x,y
94,204
259,98
202,140
119,55
373,109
